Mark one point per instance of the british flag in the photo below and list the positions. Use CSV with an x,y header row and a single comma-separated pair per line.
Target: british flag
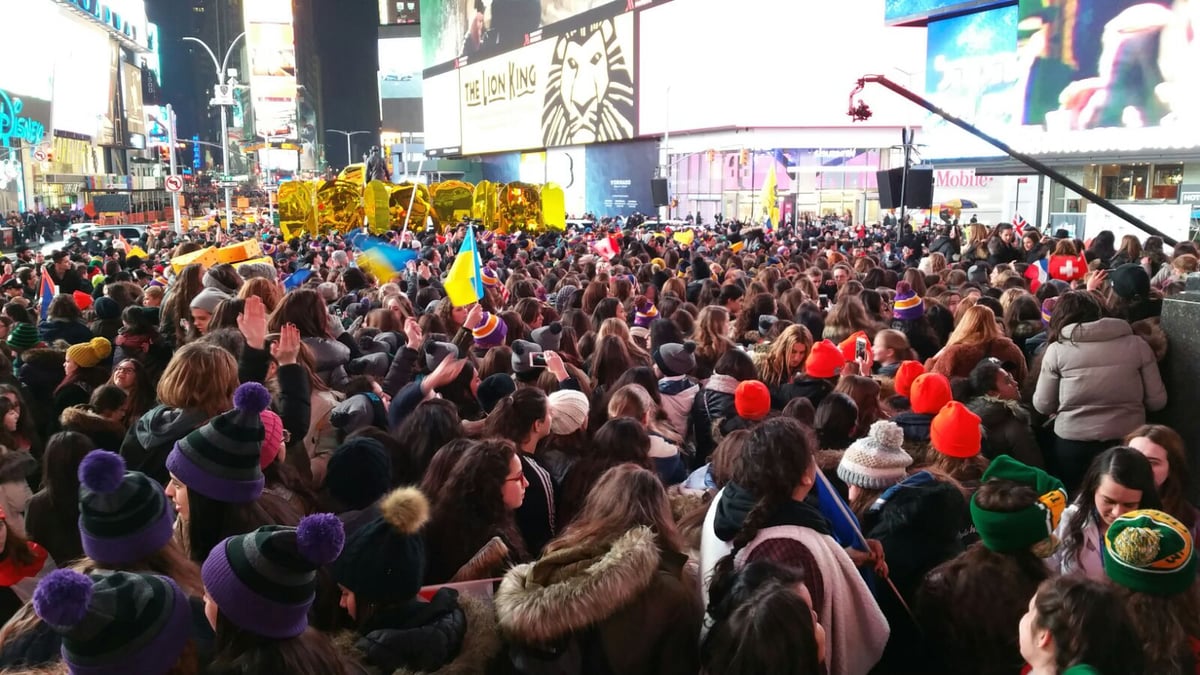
x,y
1019,222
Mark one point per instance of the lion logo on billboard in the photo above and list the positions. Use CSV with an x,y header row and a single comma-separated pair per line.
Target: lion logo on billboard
x,y
589,94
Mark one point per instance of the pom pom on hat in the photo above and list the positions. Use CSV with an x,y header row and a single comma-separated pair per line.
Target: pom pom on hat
x,y
548,337
102,471
405,509
877,461
252,398
319,538
89,354
675,359
1149,551
62,598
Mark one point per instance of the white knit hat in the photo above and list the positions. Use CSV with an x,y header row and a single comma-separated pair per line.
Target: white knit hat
x,y
568,411
877,461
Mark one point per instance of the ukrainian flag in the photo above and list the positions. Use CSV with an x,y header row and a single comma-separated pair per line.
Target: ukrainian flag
x,y
464,281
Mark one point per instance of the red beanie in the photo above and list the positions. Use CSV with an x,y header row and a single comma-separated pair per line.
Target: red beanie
x,y
905,374
82,300
752,400
849,344
929,393
824,360
955,431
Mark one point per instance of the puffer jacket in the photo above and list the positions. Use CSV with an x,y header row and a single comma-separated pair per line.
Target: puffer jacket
x,y
712,404
331,357
1099,380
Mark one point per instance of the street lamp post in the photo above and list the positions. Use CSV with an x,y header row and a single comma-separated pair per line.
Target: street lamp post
x,y
347,134
222,69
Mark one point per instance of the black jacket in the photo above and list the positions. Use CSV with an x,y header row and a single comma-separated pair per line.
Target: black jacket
x,y
150,440
810,388
713,403
1008,430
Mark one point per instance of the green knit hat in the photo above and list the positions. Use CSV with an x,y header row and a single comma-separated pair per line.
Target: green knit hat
x,y
1008,532
1151,552
23,336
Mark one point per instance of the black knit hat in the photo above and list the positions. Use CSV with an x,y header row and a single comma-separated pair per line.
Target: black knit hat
x,y
115,623
359,472
675,359
265,581
220,460
124,516
493,388
384,558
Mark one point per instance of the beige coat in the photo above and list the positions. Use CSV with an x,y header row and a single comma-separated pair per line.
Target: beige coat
x,y
1099,379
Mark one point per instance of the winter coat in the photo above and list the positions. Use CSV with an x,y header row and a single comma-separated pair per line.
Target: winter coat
x,y
1090,561
712,404
106,328
627,603
74,394
1090,379
104,433
150,440
537,516
668,463
1021,334
1000,252
811,388
451,634
959,360
678,394
1007,430
331,357
18,580
71,332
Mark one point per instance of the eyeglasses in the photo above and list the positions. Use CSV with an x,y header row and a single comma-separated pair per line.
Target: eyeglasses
x,y
519,478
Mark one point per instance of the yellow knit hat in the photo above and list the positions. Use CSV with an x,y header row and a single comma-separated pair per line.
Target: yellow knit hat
x,y
89,354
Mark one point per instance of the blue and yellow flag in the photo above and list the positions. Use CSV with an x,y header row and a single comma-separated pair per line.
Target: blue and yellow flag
x,y
464,281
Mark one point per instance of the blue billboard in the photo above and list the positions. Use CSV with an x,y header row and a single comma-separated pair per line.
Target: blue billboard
x,y
899,12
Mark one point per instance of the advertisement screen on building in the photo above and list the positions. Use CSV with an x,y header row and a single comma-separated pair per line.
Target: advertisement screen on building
x,y
481,28
575,89
972,70
399,12
19,73
443,131
131,96
1121,75
400,84
618,178
271,45
913,11
82,75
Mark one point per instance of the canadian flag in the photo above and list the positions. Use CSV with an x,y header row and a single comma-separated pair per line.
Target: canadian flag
x,y
1067,267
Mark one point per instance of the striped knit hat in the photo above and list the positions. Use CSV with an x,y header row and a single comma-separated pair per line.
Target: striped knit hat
x,y
1048,309
115,623
266,581
646,312
23,336
908,305
124,516
220,460
1149,551
490,277
491,331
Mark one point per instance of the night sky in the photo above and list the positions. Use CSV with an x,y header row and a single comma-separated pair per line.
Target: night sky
x,y
346,44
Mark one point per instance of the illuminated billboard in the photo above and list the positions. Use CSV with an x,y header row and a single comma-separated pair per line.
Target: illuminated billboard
x,y
574,89
400,84
399,12
442,119
916,11
83,75
481,28
271,45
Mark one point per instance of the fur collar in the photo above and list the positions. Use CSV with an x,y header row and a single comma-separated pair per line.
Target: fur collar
x,y
79,418
572,589
989,405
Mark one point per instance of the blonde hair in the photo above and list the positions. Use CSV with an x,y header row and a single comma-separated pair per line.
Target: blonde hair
x,y
620,330
898,342
773,369
200,376
632,400
978,326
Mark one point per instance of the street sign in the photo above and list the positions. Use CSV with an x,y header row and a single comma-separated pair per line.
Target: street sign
x,y
228,183
40,155
174,183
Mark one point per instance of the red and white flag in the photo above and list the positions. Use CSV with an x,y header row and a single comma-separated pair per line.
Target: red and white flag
x,y
1068,267
606,247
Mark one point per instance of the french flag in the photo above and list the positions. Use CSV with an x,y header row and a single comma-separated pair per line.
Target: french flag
x,y
1038,273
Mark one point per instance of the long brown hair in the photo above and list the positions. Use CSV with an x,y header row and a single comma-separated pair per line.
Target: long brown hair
x,y
1090,622
177,304
305,309
265,289
241,652
711,335
977,327
1165,627
1174,490
865,393
200,376
626,496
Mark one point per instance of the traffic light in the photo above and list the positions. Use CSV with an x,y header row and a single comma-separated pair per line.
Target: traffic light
x,y
744,157
712,154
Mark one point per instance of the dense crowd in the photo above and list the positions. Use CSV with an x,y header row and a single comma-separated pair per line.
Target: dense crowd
x,y
827,449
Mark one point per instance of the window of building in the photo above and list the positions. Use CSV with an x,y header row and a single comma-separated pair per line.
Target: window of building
x,y
1139,181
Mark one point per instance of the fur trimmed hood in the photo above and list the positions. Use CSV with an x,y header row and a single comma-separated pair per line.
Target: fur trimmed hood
x,y
79,418
572,589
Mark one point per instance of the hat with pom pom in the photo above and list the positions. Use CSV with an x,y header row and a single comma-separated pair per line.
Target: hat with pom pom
x,y
221,460
877,461
124,516
644,313
91,353
384,559
115,623
548,337
675,359
265,581
1151,552
907,306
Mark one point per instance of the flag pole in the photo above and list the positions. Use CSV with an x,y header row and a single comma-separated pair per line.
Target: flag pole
x,y
411,198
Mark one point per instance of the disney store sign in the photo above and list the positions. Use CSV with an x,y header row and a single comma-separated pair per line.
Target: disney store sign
x,y
22,119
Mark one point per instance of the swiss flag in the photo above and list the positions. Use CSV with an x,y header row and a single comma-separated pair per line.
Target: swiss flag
x,y
1067,267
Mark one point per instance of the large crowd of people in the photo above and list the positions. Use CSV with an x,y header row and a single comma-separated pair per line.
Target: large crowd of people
x,y
825,449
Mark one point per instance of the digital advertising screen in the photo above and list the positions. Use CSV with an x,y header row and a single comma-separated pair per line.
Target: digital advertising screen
x,y
480,28
912,11
618,178
973,71
574,89
83,75
271,45
400,84
443,131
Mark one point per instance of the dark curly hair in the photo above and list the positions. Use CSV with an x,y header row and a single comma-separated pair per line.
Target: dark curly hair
x,y
1091,624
